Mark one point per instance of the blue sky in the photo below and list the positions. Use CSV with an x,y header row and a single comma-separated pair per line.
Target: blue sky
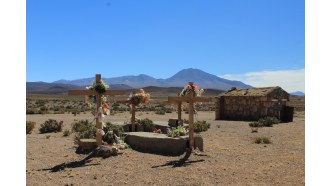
x,y
252,41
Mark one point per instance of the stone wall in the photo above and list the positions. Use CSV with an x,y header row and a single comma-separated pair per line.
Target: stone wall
x,y
246,107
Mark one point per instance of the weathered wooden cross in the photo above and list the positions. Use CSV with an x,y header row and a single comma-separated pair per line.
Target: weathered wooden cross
x,y
191,100
98,102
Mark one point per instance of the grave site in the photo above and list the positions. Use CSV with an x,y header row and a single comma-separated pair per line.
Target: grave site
x,y
125,137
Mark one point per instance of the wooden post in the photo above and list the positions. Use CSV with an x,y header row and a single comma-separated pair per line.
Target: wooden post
x,y
190,100
133,118
179,112
191,124
98,105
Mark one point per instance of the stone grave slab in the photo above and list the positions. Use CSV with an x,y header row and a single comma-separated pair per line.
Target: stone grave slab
x,y
160,143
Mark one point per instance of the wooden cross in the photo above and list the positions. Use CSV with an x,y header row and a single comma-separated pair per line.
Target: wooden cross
x,y
98,102
190,100
132,112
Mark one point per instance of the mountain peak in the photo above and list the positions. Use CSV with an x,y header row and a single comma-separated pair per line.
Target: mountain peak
x,y
180,79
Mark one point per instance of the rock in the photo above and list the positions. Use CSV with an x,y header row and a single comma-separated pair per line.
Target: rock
x,y
199,142
128,127
114,151
173,122
103,151
86,145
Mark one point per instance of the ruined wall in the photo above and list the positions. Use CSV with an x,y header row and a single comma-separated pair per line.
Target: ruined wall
x,y
246,107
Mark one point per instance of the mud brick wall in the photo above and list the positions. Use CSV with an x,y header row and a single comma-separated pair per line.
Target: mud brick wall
x,y
246,107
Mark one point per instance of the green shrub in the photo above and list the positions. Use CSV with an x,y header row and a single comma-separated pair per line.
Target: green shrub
x,y
51,125
82,125
147,124
268,121
179,131
67,132
264,140
84,130
109,137
255,124
160,112
31,111
30,126
117,129
257,140
201,126
254,129
111,131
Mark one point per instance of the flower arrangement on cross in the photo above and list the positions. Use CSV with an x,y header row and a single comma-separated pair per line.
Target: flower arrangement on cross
x,y
138,98
100,88
191,89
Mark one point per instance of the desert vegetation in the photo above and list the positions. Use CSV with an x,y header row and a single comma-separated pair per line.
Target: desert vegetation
x,y
51,125
233,155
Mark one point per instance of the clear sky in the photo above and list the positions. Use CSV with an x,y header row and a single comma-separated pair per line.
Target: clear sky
x,y
248,40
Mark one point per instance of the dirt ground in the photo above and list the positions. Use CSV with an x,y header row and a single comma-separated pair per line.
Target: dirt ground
x,y
231,157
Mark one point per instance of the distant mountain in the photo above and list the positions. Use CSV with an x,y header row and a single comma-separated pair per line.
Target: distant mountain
x,y
203,79
180,79
59,88
297,93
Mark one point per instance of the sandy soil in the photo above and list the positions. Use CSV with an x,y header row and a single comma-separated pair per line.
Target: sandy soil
x,y
230,158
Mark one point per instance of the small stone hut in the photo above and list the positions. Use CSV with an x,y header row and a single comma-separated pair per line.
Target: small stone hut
x,y
253,104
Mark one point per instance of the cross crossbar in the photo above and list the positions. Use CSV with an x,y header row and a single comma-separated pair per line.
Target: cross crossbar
x,y
93,92
98,102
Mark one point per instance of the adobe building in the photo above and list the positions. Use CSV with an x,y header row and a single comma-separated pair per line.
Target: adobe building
x,y
253,103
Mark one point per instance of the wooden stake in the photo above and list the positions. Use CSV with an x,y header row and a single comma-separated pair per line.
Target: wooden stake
x,y
191,124
133,118
98,104
179,112
178,100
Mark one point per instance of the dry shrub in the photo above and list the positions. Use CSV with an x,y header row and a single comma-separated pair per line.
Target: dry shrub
x,y
84,130
201,126
51,125
30,126
264,140
67,132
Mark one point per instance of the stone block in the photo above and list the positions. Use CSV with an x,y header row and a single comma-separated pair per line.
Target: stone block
x,y
156,143
128,127
87,144
173,122
199,142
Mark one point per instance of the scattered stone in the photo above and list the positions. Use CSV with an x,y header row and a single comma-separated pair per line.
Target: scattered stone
x,y
103,151
87,144
173,122
199,142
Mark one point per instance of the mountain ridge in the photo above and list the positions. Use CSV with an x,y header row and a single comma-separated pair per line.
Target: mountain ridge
x,y
180,79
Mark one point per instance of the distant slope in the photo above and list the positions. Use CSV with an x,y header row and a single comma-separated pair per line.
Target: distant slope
x,y
297,93
203,79
59,88
180,79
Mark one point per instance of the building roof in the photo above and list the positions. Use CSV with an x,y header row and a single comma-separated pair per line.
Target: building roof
x,y
263,91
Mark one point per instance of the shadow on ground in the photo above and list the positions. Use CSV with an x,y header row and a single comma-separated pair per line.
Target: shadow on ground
x,y
74,164
183,162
